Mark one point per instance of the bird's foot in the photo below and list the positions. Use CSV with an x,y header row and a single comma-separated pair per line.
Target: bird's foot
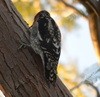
x,y
23,45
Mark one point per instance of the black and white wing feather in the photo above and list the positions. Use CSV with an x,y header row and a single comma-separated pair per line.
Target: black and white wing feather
x,y
45,40
49,38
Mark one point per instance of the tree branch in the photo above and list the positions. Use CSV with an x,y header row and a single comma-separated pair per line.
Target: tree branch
x,y
95,88
94,22
73,8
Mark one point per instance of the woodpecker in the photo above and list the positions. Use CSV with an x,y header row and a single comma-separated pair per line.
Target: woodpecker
x,y
45,40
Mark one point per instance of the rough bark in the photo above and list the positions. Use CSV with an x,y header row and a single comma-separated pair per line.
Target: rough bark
x,y
21,73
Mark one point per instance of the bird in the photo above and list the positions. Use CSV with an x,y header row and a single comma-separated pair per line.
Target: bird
x,y
45,40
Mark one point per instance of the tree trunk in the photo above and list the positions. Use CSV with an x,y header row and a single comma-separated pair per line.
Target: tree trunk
x,y
94,23
93,8
21,73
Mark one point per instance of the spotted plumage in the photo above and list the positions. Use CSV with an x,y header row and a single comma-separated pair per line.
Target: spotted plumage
x,y
50,42
45,39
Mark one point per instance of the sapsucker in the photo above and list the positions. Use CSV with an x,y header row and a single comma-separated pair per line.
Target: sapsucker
x,y
45,40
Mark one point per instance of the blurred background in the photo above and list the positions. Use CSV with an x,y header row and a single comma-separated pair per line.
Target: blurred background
x,y
77,47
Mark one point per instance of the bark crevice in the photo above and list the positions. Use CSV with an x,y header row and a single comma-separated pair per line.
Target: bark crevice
x,y
21,71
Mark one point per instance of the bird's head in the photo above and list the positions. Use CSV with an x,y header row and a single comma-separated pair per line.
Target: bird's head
x,y
41,14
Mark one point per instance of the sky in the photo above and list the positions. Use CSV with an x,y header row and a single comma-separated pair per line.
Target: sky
x,y
77,46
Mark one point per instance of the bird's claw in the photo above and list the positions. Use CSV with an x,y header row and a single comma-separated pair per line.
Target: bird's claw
x,y
23,45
